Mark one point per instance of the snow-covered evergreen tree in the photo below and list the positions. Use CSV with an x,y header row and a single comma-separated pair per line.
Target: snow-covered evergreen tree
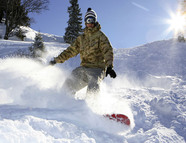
x,y
74,23
38,48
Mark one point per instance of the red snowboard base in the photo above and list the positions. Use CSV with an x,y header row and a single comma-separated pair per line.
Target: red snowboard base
x,y
119,118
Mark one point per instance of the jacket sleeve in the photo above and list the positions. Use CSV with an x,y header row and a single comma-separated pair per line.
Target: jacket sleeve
x,y
70,52
107,50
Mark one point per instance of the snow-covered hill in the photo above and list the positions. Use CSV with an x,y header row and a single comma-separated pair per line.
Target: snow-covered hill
x,y
150,88
30,35
159,58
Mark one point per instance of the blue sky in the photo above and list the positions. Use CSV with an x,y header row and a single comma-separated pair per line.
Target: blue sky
x,y
127,23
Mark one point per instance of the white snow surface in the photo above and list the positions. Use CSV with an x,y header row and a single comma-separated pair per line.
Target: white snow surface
x,y
150,89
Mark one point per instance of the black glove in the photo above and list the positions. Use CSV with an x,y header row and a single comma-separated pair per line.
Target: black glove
x,y
111,72
52,62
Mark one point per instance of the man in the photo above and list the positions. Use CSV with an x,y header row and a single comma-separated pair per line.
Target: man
x,y
96,56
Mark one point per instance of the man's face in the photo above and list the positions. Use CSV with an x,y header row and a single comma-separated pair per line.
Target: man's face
x,y
89,25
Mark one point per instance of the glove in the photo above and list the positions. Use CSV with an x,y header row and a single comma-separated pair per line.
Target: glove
x,y
111,72
52,62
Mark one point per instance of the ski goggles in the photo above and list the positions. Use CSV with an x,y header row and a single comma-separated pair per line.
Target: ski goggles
x,y
90,20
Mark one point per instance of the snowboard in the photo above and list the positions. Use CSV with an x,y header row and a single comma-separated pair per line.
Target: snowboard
x,y
119,118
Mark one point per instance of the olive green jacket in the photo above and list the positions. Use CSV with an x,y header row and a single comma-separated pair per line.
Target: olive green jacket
x,y
94,48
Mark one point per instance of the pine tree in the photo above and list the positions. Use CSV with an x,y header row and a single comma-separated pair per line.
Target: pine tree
x,y
74,23
38,48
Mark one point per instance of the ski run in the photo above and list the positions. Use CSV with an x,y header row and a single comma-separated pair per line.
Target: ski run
x,y
150,89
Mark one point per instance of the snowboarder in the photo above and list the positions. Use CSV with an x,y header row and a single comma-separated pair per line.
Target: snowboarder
x,y
96,54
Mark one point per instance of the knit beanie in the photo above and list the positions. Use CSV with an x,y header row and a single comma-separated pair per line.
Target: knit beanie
x,y
90,13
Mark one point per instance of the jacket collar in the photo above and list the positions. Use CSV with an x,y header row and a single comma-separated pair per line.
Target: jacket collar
x,y
96,28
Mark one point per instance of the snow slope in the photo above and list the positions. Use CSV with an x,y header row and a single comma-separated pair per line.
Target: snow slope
x,y
30,35
150,89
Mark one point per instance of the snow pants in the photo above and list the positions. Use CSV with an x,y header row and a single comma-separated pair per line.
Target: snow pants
x,y
82,77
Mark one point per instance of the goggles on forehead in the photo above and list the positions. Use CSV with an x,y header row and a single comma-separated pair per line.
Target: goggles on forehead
x,y
90,20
